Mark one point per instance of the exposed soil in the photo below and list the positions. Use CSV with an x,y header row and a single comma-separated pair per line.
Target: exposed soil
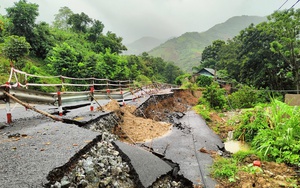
x,y
155,123
218,124
182,100
137,129
272,175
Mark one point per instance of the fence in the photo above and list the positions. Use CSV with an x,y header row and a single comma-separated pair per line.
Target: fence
x,y
23,86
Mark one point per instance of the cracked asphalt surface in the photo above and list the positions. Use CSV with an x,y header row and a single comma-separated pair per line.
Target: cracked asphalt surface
x,y
26,161
45,144
182,147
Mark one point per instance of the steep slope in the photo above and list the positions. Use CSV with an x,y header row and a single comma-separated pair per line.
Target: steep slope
x,y
142,45
185,51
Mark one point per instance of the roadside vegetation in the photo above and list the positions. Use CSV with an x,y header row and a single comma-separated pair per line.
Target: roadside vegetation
x,y
262,121
261,64
74,45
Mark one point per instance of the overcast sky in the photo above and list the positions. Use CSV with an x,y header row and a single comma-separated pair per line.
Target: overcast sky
x,y
133,19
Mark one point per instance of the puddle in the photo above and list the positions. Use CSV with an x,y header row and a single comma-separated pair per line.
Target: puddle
x,y
234,146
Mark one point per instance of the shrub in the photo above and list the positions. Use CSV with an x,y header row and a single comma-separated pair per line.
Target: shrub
x,y
250,122
215,96
273,131
280,142
189,85
245,97
182,78
204,81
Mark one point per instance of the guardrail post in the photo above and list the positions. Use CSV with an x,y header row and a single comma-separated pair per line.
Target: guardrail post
x,y
121,91
7,102
60,110
26,81
92,98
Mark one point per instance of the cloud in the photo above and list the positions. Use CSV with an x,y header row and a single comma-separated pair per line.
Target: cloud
x,y
133,19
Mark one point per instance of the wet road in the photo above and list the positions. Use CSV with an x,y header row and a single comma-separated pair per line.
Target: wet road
x,y
181,146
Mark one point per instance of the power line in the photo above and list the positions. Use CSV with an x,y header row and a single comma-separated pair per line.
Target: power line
x,y
294,4
282,5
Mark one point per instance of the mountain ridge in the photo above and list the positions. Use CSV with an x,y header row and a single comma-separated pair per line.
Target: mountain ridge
x,y
185,51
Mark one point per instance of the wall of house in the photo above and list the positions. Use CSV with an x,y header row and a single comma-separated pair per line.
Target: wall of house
x,y
292,99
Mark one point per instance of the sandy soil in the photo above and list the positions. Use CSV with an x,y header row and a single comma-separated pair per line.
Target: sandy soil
x,y
137,129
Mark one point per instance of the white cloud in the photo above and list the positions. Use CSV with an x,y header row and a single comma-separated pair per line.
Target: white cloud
x,y
132,19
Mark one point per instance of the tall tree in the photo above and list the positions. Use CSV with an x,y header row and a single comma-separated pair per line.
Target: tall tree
x,y
22,16
63,60
79,22
285,25
42,40
210,55
95,31
62,17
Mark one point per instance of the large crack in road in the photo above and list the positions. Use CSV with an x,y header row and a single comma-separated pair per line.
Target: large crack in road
x,y
173,160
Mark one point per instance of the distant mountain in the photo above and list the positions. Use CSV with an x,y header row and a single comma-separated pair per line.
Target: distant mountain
x,y
185,51
141,45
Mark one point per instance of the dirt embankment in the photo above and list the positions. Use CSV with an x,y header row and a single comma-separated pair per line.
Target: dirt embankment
x,y
155,122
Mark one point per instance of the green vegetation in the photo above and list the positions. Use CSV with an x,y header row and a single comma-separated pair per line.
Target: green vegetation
x,y
272,130
263,56
204,81
204,111
74,46
226,168
214,96
186,50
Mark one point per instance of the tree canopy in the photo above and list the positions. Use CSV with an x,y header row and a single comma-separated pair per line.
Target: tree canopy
x,y
265,56
74,45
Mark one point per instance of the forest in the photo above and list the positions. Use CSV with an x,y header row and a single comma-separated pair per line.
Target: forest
x,y
74,45
266,56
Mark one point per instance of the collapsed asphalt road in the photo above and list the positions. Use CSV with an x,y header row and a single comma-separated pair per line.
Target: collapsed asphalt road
x,y
182,146
71,156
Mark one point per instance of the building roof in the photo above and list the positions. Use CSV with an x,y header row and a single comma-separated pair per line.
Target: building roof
x,y
211,71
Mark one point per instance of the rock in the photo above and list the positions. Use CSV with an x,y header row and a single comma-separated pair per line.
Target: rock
x,y
65,183
83,184
14,135
115,153
174,183
56,185
88,164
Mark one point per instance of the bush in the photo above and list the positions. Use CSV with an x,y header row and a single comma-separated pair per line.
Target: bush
x,y
273,131
245,97
204,81
189,85
142,80
280,142
215,96
250,122
182,78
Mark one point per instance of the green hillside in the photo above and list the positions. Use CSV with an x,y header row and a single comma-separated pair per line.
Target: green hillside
x,y
185,51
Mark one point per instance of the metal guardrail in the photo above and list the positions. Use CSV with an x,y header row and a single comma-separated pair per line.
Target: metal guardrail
x,y
33,96
61,99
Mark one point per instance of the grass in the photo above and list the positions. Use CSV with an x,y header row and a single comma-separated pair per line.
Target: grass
x,y
203,110
224,168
